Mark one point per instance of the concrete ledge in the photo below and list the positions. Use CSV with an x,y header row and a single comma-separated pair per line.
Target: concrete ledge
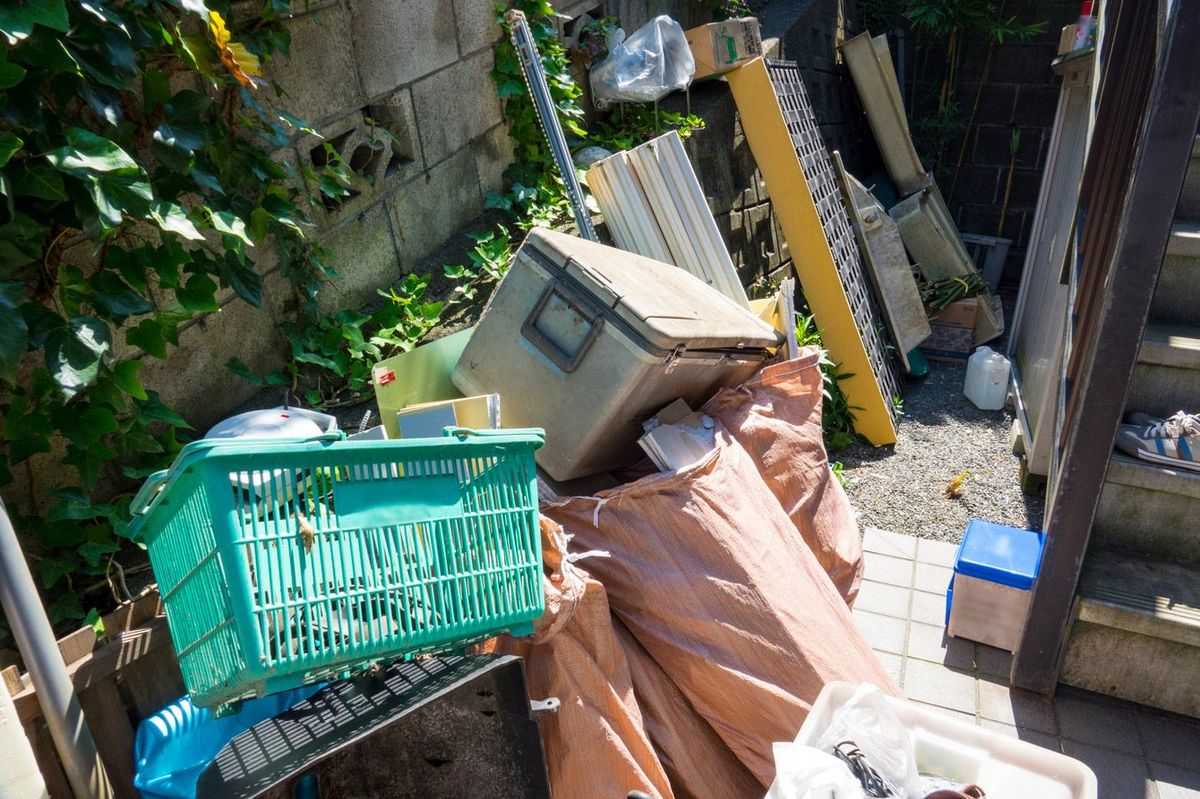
x,y
1175,346
1150,598
1151,671
1127,471
1185,239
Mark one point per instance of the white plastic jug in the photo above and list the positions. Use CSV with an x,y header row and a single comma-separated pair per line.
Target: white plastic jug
x,y
987,379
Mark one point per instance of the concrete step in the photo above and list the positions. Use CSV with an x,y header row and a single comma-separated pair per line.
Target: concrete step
x,y
1167,375
1189,198
1137,632
1179,280
1150,510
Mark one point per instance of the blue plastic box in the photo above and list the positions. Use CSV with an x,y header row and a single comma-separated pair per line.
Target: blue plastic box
x,y
994,571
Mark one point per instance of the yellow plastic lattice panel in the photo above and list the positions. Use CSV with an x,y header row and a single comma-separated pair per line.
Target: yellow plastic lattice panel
x,y
783,136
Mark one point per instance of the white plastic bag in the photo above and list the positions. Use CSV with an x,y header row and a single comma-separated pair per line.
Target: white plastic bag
x,y
653,62
874,728
802,772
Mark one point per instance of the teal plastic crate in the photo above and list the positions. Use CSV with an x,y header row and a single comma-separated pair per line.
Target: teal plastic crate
x,y
284,562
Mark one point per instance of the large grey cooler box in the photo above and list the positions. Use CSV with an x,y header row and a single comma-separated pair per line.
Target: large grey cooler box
x,y
587,341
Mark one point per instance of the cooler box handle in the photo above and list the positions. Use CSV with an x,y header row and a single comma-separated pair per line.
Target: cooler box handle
x,y
553,326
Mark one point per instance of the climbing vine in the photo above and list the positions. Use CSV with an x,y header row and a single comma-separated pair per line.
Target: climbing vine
x,y
135,187
137,191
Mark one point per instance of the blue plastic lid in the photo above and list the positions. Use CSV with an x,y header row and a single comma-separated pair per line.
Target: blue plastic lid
x,y
1000,554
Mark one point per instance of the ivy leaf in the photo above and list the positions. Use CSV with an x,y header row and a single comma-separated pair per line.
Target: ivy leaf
x,y
34,179
46,50
230,224
206,180
125,375
65,607
20,244
92,552
10,75
156,88
186,107
118,196
196,7
17,18
97,9
148,336
172,217
115,299
14,335
93,618
87,154
198,295
153,410
175,145
51,570
9,144
497,200
74,353
106,54
243,279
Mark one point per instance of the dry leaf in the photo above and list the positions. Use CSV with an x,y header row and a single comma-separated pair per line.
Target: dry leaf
x,y
240,62
307,533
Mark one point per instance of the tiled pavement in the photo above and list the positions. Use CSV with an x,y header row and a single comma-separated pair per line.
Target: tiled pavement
x,y
1136,752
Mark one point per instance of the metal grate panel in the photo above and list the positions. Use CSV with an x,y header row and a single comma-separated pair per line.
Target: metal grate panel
x,y
818,169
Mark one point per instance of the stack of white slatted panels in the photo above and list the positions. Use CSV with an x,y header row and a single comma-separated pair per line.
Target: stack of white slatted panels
x,y
654,206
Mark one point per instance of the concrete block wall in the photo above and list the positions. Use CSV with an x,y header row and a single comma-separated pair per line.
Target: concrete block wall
x,y
422,71
1020,95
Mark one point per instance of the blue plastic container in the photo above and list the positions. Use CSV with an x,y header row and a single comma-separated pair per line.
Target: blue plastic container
x,y
994,573
178,742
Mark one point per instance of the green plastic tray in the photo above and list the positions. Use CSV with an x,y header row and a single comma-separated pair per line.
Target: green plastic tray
x,y
284,562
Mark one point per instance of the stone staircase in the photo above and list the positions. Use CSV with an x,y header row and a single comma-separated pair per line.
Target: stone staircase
x,y
1137,630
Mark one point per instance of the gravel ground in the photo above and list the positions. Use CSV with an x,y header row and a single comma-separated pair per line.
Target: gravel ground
x,y
902,488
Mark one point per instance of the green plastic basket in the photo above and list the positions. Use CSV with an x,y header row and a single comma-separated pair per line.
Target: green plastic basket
x,y
284,562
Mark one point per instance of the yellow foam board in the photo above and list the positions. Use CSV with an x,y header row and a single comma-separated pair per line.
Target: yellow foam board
x,y
767,133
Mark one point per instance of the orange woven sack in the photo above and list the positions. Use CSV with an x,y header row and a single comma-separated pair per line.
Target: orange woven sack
x,y
596,746
707,572
776,417
697,761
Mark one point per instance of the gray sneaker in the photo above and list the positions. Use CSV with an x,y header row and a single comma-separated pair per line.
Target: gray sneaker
x,y
1174,441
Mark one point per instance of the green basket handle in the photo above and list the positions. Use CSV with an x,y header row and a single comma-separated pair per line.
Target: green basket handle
x,y
148,491
464,433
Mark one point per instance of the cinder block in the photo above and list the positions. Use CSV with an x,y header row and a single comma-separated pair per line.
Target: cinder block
x,y
320,77
428,210
477,26
456,105
196,368
364,253
493,153
397,43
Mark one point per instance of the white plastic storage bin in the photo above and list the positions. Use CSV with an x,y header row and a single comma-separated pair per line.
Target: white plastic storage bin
x,y
588,341
1007,768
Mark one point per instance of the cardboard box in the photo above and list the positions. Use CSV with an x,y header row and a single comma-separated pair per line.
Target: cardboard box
x,y
721,46
427,420
953,336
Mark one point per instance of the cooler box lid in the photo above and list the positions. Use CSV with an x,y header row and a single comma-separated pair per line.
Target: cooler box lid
x,y
999,554
664,304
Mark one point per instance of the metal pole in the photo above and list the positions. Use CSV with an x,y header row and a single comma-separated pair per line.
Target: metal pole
x,y
535,79
55,693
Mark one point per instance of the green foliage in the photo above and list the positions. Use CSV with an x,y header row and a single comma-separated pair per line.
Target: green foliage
x,y
126,206
837,414
943,17
951,27
536,195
